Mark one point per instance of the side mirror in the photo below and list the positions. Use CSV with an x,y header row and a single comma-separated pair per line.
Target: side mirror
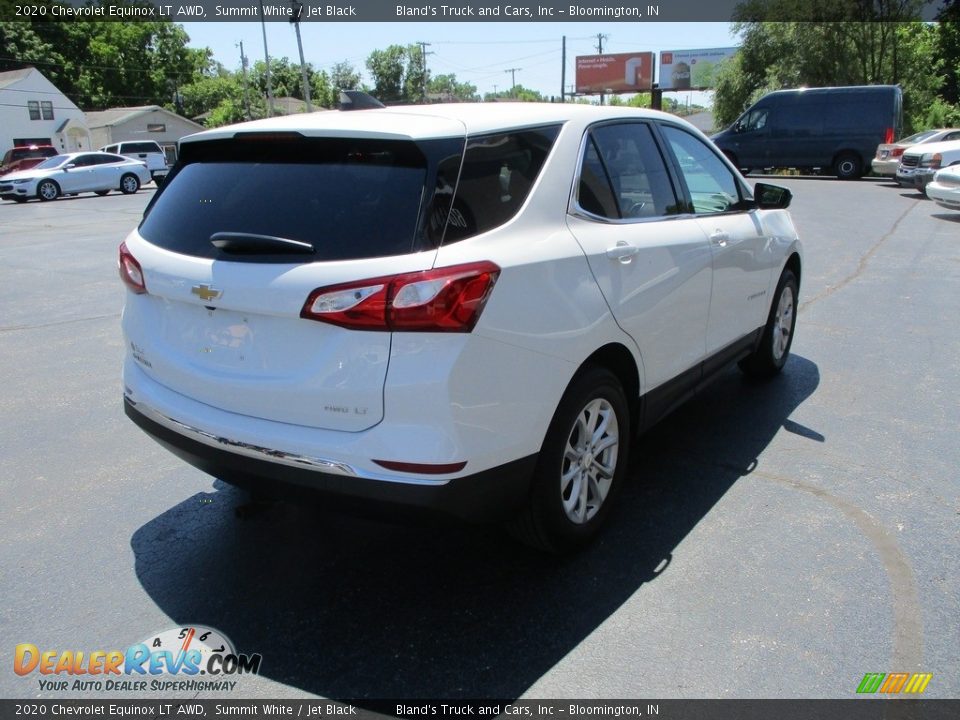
x,y
771,197
69,166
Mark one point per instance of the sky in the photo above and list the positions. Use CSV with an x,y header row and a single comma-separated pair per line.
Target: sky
x,y
479,53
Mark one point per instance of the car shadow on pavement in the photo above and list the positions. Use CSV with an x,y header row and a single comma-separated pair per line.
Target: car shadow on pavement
x,y
955,217
352,609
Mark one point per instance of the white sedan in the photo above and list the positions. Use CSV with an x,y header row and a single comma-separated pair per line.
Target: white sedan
x,y
74,173
944,189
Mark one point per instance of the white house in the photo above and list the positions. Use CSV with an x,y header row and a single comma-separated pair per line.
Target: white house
x,y
148,122
34,112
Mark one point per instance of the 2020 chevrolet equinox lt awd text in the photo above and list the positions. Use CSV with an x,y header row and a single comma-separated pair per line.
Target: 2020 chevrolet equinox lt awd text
x,y
469,308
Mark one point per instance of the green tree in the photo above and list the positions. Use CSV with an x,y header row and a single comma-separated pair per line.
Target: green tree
x,y
386,68
841,42
343,76
447,88
516,93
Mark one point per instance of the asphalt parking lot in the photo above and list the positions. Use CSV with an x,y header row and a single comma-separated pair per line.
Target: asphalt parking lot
x,y
777,539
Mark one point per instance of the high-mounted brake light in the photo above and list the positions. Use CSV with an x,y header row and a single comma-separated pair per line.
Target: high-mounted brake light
x,y
130,271
446,299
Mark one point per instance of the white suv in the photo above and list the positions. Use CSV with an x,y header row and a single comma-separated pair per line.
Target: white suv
x,y
146,151
469,309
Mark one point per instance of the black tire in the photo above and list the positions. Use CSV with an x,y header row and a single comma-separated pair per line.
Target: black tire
x,y
101,193
550,521
774,350
129,184
733,159
848,166
48,190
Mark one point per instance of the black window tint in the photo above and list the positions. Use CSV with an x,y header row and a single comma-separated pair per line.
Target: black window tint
x,y
497,175
347,198
713,187
594,192
141,147
636,170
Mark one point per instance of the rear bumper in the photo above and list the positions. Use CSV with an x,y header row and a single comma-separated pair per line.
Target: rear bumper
x,y
493,494
886,167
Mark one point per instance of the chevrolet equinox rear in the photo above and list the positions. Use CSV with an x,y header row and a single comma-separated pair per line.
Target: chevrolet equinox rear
x,y
463,309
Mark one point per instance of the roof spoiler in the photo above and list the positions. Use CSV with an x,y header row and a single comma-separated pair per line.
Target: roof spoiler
x,y
358,100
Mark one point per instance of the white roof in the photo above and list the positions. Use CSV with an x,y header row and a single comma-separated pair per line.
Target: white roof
x,y
418,122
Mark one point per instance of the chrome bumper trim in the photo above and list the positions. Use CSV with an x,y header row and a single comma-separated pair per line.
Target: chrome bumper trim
x,y
242,448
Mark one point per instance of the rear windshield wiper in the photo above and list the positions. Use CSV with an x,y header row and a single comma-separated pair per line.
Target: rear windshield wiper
x,y
253,244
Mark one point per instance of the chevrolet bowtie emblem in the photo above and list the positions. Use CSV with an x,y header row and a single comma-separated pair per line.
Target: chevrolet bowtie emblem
x,y
206,292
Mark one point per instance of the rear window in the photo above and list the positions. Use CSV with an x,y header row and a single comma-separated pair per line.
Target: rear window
x,y
140,147
346,198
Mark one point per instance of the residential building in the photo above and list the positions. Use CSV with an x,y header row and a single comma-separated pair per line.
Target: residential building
x,y
34,112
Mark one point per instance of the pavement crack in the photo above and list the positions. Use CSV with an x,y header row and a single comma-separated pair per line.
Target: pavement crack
x,y
861,266
12,328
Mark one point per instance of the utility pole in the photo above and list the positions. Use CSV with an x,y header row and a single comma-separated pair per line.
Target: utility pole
x,y
243,71
297,8
513,78
600,38
563,70
423,68
266,56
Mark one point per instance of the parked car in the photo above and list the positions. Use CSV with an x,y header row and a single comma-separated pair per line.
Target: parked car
x,y
25,157
836,129
75,173
468,309
919,163
944,189
148,152
887,159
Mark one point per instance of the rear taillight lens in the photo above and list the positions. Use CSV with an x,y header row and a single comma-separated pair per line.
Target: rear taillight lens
x,y
888,136
130,271
446,299
897,152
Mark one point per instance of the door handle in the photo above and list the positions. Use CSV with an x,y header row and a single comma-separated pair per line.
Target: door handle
x,y
719,237
623,252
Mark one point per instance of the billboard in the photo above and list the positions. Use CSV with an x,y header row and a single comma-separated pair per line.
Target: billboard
x,y
691,69
619,73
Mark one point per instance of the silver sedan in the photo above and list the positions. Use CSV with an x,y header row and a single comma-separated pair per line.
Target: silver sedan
x,y
74,173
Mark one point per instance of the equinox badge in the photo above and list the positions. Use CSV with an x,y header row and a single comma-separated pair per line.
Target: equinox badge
x,y
206,292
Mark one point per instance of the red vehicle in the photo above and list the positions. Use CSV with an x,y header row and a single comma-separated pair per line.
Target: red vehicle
x,y
25,157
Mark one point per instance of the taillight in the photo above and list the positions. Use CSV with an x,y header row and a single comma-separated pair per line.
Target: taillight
x,y
446,299
130,271
897,152
888,136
